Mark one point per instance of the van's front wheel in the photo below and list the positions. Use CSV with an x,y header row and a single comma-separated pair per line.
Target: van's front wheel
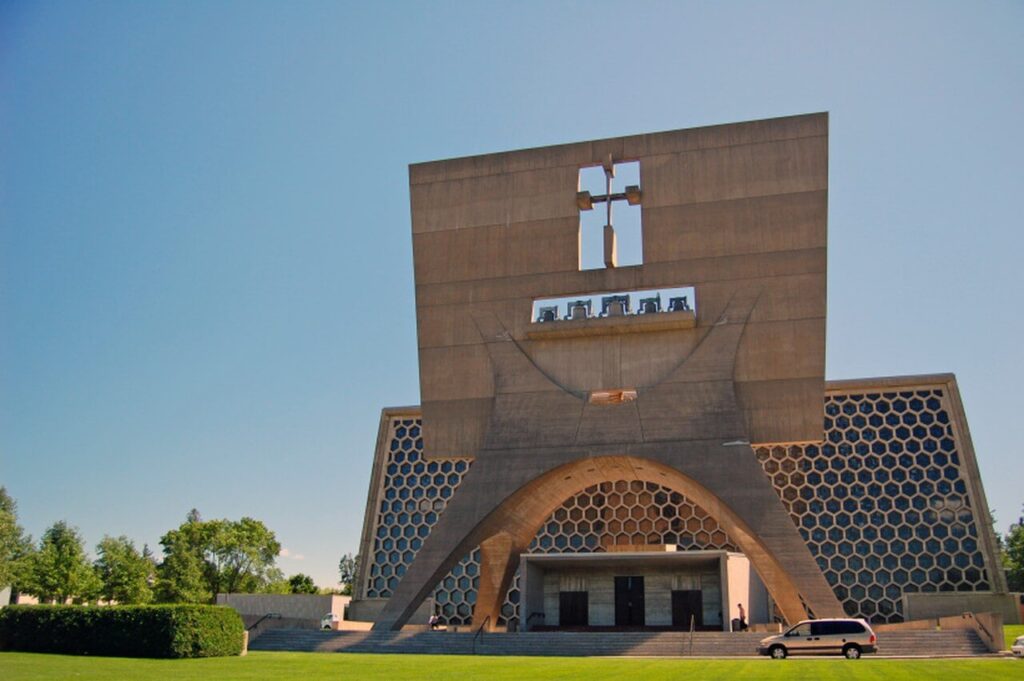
x,y
777,652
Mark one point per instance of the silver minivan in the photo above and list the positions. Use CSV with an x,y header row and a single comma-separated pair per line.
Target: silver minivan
x,y
848,637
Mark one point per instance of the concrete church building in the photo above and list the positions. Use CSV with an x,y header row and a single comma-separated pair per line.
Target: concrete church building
x,y
651,442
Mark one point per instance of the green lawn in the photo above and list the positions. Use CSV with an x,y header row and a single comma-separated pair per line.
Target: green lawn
x,y
1012,631
316,666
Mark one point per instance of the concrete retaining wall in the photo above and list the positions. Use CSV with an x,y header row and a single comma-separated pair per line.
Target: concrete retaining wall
x,y
923,606
293,611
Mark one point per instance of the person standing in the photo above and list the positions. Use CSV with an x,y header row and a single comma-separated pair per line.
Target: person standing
x,y
743,617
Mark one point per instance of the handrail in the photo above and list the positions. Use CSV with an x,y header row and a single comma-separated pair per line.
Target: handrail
x,y
480,632
532,615
978,623
268,616
692,621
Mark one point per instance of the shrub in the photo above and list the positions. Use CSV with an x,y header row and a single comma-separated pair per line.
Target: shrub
x,y
122,630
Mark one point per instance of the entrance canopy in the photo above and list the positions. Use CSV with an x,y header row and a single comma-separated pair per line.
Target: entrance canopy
x,y
663,589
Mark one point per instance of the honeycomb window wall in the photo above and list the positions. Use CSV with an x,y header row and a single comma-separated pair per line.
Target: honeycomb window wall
x,y
412,495
882,503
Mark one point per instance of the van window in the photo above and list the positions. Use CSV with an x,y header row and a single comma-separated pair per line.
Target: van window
x,y
849,628
823,628
803,629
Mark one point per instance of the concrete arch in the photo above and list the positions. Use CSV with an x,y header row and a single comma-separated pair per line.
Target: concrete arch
x,y
544,443
521,515
500,507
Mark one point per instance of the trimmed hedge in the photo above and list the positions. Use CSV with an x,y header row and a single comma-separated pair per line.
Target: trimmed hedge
x,y
122,630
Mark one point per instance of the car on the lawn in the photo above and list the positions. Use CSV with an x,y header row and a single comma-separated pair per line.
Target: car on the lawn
x,y
1018,647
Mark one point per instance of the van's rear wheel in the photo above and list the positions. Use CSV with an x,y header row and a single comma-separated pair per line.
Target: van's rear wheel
x,y
777,652
851,652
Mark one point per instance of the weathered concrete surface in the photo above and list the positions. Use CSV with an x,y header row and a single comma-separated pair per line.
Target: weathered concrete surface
x,y
739,213
924,606
726,207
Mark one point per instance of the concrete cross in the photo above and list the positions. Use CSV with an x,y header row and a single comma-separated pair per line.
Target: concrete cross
x,y
584,201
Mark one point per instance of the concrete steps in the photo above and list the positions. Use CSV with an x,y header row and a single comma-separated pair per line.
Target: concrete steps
x,y
568,644
949,643
577,644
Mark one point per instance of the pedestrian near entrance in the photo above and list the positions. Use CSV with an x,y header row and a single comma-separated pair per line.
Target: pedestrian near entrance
x,y
742,617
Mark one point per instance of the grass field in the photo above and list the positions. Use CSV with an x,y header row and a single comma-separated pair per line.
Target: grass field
x,y
315,666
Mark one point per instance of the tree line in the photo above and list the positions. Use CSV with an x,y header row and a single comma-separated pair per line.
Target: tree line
x,y
200,559
1011,550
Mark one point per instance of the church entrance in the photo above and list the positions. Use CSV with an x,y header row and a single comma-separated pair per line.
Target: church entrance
x,y
629,601
573,609
687,605
636,590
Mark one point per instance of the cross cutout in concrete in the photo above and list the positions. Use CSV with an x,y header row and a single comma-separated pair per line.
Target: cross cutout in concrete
x,y
585,201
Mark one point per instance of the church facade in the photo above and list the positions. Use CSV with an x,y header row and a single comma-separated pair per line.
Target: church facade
x,y
624,419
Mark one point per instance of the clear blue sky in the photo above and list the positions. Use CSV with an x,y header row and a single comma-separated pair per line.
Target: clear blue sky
x,y
197,199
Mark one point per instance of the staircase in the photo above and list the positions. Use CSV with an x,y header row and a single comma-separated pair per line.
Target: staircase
x,y
961,643
948,643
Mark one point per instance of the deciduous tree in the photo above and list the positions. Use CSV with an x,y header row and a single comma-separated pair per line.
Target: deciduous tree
x,y
241,555
180,575
59,570
125,573
348,571
302,584
205,557
15,545
1013,555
